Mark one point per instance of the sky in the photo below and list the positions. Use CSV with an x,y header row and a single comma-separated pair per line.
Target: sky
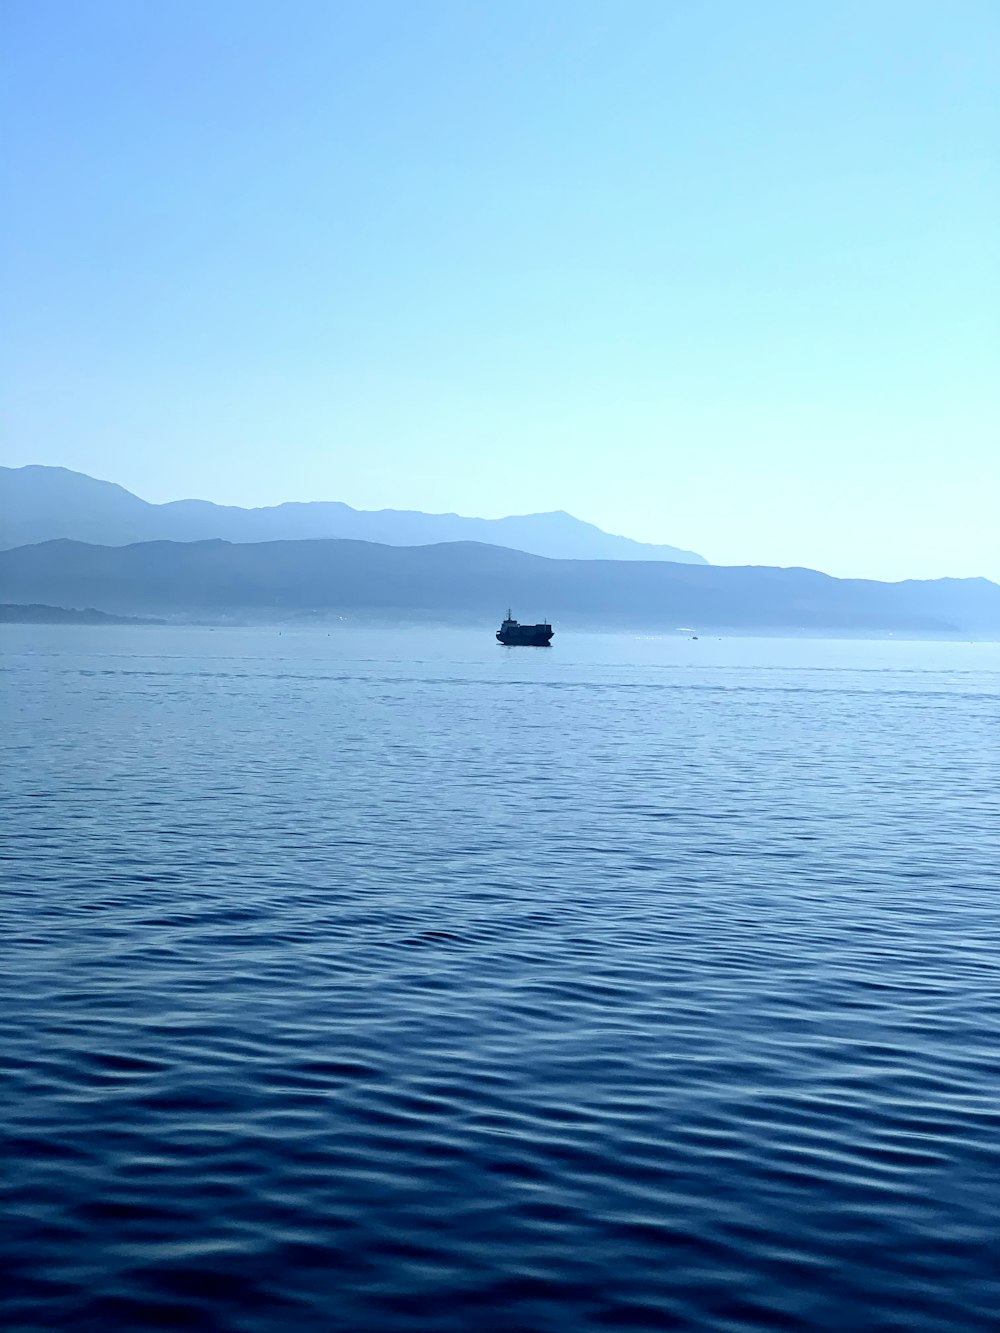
x,y
723,274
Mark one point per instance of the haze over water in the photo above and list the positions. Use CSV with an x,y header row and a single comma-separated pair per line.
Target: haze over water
x,y
396,981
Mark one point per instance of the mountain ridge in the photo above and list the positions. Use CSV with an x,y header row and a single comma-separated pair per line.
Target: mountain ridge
x,y
40,503
470,582
35,614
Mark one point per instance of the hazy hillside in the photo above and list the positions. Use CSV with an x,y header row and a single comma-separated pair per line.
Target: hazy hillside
x,y
44,503
475,583
33,614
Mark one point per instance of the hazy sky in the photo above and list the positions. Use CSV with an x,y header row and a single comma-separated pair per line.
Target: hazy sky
x,y
722,274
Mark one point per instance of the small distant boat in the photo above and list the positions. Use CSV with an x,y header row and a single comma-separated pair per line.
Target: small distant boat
x,y
511,634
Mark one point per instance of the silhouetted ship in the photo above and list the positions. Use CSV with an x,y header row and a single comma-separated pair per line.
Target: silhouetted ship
x,y
511,633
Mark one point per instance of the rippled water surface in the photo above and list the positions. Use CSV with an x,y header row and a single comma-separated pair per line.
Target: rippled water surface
x,y
396,981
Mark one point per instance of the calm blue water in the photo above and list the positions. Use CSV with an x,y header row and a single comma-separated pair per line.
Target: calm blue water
x,y
379,981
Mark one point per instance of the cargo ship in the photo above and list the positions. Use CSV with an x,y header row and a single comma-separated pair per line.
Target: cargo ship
x,y
512,634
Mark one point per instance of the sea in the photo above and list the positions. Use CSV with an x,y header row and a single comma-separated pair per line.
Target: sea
x,y
391,981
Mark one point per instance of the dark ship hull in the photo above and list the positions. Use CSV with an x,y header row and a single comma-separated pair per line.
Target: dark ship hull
x,y
511,634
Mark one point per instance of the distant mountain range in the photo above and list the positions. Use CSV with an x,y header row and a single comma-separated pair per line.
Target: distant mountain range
x,y
472,583
39,504
33,614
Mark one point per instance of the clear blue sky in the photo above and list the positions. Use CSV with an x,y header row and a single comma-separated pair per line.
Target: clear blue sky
x,y
722,274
